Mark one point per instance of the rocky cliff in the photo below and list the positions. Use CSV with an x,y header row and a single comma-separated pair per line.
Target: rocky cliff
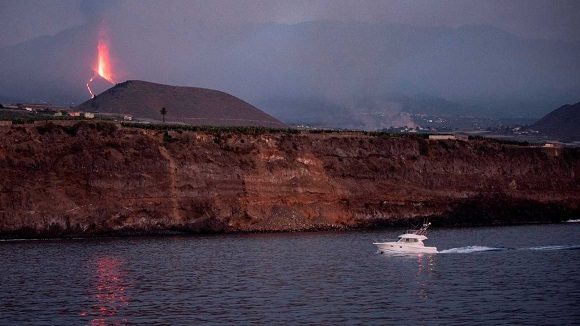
x,y
100,178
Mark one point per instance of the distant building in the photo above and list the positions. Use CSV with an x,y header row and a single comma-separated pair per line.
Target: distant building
x,y
74,114
128,117
553,148
58,114
442,137
553,145
449,137
89,115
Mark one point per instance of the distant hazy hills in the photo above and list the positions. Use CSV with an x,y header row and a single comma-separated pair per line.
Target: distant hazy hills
x,y
562,123
321,71
198,106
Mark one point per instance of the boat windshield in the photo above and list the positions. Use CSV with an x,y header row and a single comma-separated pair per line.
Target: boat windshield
x,y
408,240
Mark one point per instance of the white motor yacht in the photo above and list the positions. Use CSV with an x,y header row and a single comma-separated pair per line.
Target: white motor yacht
x,y
410,242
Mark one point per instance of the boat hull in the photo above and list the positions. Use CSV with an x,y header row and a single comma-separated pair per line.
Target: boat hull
x,y
398,247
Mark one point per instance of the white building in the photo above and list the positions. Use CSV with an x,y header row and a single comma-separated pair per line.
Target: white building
x,y
442,137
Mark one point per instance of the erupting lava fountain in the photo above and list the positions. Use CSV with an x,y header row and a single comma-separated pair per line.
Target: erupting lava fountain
x,y
103,64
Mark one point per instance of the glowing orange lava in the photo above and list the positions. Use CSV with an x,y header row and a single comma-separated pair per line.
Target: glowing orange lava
x,y
103,66
104,62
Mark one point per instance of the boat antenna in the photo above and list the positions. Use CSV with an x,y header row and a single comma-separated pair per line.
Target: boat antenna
x,y
423,229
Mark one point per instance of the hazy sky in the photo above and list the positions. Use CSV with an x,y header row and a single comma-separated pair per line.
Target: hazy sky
x,y
552,19
487,57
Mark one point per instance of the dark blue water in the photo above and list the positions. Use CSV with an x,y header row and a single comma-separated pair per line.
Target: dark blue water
x,y
515,275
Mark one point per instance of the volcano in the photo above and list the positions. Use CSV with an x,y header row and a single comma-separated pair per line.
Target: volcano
x,y
191,105
98,84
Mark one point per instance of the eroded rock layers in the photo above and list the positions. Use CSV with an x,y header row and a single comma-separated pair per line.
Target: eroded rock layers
x,y
98,178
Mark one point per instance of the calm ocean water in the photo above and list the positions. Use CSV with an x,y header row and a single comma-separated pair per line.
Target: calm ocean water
x,y
501,275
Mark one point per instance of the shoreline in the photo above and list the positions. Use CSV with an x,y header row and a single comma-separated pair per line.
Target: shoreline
x,y
163,234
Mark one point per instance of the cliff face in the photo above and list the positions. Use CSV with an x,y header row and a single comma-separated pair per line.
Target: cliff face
x,y
99,178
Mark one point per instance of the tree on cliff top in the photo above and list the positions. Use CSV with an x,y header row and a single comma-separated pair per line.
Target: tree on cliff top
x,y
163,113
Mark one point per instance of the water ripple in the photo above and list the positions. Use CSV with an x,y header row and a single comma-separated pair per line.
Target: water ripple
x,y
310,278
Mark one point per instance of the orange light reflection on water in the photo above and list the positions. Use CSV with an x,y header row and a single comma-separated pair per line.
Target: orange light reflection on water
x,y
109,291
425,266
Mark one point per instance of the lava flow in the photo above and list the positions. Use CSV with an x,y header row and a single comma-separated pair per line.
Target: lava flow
x,y
103,66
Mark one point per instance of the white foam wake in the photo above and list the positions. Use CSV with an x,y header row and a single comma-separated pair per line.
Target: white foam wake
x,y
469,249
573,221
10,240
564,247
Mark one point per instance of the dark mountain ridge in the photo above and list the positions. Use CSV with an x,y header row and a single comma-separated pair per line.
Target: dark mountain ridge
x,y
192,105
563,123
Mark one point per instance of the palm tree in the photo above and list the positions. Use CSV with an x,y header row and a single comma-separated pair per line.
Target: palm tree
x,y
163,113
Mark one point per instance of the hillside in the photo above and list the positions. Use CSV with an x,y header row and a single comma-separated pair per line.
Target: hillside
x,y
563,123
98,178
197,106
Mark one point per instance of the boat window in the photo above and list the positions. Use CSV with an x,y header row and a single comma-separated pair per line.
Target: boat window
x,y
415,240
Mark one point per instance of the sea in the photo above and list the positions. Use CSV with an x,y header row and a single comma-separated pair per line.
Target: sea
x,y
516,275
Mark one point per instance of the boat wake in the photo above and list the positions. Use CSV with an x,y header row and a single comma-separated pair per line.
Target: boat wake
x,y
565,247
41,239
14,240
469,249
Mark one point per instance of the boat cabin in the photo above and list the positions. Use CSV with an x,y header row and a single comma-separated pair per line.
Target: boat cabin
x,y
411,238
